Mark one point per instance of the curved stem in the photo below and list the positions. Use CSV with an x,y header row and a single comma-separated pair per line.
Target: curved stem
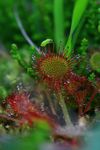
x,y
65,111
50,103
20,25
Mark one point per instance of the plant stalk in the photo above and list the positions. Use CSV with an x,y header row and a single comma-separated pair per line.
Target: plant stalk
x,y
65,111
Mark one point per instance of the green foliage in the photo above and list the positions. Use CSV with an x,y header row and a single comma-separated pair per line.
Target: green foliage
x,y
8,75
26,65
91,24
40,22
77,20
37,18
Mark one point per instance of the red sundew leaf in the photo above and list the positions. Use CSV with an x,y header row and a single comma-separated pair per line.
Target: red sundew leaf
x,y
53,69
90,101
80,97
21,105
80,88
75,83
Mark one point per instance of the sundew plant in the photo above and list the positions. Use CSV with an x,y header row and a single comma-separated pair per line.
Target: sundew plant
x,y
49,94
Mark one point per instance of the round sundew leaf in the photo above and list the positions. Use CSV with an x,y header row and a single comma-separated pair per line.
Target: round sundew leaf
x,y
55,67
95,61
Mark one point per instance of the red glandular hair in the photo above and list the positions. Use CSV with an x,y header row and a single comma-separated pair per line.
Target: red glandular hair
x,y
80,88
28,112
54,69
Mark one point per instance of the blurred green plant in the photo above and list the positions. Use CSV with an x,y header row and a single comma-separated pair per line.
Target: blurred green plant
x,y
91,25
33,140
8,76
82,54
27,66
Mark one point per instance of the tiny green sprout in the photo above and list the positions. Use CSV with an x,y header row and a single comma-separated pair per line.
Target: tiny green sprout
x,y
95,61
13,51
92,76
45,42
14,46
83,48
17,56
